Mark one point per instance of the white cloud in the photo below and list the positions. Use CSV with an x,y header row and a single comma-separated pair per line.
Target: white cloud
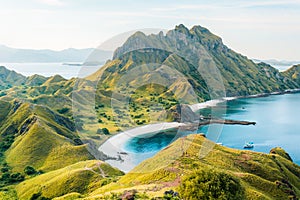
x,y
184,7
271,3
222,5
52,2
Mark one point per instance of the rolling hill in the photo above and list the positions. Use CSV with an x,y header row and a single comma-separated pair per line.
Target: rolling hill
x,y
35,135
209,67
48,124
260,176
293,73
78,179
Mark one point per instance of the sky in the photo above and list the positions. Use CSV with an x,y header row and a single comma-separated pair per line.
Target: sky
x,y
263,29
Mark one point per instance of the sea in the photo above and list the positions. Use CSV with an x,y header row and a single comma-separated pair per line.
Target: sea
x,y
277,117
277,120
66,70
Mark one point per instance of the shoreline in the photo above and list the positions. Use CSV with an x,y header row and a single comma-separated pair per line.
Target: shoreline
x,y
114,147
215,102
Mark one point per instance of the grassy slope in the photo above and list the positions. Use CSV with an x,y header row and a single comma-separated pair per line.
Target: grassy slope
x,y
240,75
294,73
46,140
183,51
10,78
44,149
42,138
201,48
260,173
47,143
79,178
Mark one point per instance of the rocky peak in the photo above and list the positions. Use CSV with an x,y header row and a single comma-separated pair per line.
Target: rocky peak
x,y
182,29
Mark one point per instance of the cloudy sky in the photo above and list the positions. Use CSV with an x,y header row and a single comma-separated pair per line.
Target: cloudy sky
x,y
258,29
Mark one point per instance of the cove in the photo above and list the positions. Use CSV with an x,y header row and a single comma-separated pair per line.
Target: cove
x,y
278,125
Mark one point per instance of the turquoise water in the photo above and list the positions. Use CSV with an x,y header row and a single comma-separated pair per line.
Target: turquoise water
x,y
150,144
278,125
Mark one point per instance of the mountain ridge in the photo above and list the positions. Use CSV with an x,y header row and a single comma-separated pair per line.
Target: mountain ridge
x,y
40,122
205,52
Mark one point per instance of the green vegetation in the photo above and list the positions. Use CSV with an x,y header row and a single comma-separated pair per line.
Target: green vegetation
x,y
105,131
240,75
81,177
251,175
292,75
63,110
30,170
209,185
33,140
42,156
9,79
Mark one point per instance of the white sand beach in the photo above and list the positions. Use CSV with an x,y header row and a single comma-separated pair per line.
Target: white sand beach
x,y
114,146
206,104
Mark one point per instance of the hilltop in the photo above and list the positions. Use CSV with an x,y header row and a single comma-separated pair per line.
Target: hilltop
x,y
257,175
294,73
48,124
10,78
200,56
183,66
35,135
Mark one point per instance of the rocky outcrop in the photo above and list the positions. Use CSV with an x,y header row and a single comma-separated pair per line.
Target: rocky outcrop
x,y
183,113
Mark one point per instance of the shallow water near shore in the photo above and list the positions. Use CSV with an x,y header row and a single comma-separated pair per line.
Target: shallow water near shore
x,y
278,125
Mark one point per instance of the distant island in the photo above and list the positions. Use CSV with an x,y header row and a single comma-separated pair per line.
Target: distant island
x,y
275,62
13,55
51,128
72,64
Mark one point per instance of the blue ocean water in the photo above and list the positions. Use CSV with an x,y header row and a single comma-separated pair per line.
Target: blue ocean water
x,y
278,125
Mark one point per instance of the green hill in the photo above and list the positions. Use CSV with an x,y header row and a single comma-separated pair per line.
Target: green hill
x,y
181,67
10,78
36,136
156,72
260,176
201,50
42,155
79,178
35,80
293,73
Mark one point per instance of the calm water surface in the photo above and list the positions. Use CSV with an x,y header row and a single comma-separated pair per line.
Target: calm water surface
x,y
278,125
51,69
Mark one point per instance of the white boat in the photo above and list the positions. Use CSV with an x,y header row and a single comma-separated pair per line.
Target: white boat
x,y
249,145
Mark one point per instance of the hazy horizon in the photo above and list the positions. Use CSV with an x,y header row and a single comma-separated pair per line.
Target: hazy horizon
x,y
266,29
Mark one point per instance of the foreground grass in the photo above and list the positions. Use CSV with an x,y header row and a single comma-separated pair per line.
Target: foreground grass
x,y
263,176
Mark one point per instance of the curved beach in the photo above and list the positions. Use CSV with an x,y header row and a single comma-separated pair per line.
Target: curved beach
x,y
114,147
124,160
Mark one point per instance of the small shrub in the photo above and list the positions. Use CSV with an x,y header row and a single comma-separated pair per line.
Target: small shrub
x,y
105,131
16,177
63,110
29,170
4,169
208,185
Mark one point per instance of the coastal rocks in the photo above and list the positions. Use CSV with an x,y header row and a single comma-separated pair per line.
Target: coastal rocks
x,y
183,113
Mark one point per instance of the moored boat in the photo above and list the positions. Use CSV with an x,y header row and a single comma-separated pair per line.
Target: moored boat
x,y
249,145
